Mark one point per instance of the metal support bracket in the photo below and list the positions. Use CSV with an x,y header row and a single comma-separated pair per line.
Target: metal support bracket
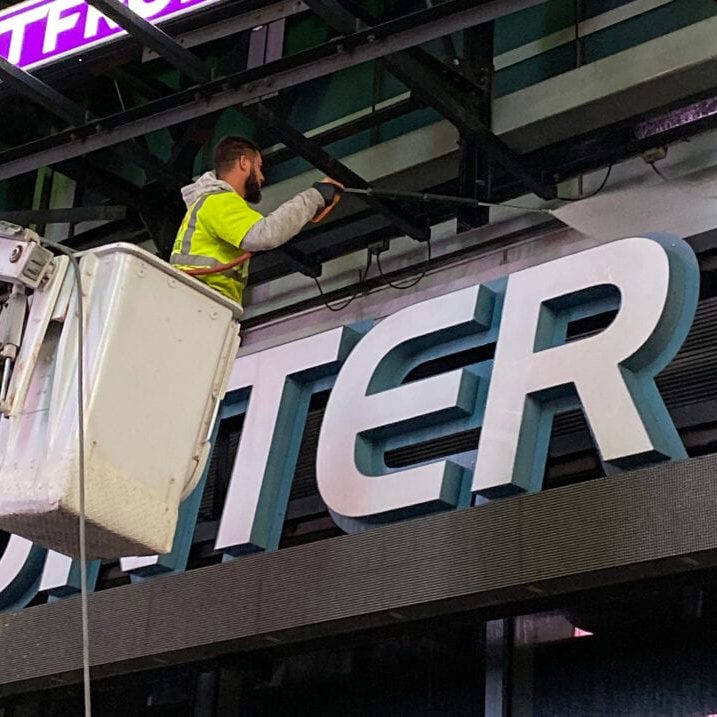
x,y
391,36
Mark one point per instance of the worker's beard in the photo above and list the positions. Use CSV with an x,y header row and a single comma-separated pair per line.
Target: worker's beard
x,y
252,188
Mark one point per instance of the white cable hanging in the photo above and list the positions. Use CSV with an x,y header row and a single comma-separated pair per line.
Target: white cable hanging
x,y
86,680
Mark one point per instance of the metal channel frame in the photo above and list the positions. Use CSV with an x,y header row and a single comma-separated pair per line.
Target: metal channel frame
x,y
71,113
505,189
388,37
72,215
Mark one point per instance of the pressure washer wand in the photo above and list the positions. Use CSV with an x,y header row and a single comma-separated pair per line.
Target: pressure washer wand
x,y
438,198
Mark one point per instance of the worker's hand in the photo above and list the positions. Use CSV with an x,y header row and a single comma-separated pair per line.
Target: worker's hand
x,y
330,191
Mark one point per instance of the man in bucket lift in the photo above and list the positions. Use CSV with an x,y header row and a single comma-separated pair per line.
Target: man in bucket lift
x,y
220,226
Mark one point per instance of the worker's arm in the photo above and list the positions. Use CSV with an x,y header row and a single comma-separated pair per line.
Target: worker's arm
x,y
285,222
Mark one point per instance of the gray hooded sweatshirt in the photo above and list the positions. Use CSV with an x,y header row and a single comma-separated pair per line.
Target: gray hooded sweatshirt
x,y
275,229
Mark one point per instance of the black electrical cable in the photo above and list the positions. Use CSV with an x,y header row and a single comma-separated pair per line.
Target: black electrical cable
x,y
592,194
410,284
659,173
359,290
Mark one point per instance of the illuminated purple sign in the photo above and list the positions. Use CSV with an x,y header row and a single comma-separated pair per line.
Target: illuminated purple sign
x,y
37,32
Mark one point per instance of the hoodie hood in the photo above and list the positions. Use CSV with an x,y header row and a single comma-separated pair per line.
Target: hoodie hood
x,y
206,184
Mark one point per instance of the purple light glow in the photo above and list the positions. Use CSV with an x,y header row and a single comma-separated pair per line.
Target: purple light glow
x,y
37,32
677,118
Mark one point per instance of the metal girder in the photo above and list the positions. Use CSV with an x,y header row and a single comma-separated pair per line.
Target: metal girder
x,y
388,37
337,16
444,89
41,94
319,158
70,112
73,215
447,91
234,24
150,36
474,169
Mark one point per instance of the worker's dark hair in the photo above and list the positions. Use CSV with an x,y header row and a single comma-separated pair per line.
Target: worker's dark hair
x,y
229,149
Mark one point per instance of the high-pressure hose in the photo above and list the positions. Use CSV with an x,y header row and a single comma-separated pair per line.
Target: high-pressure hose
x,y
387,194
219,268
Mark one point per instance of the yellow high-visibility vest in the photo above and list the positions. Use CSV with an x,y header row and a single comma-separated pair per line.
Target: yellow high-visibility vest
x,y
210,234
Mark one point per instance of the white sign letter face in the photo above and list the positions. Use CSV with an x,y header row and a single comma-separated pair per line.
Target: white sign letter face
x,y
264,465
16,27
61,575
369,402
612,372
59,21
20,568
92,22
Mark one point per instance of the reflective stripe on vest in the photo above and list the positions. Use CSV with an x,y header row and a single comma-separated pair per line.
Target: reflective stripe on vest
x,y
186,258
192,223
193,260
199,260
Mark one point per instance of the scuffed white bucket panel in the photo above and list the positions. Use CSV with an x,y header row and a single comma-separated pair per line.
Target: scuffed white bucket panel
x,y
158,350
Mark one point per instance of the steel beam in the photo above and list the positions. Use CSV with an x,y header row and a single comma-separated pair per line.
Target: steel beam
x,y
150,36
388,37
444,89
235,24
319,158
73,215
35,90
474,169
337,16
70,112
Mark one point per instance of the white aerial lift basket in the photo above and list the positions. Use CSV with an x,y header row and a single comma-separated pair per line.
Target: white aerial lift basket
x,y
158,350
